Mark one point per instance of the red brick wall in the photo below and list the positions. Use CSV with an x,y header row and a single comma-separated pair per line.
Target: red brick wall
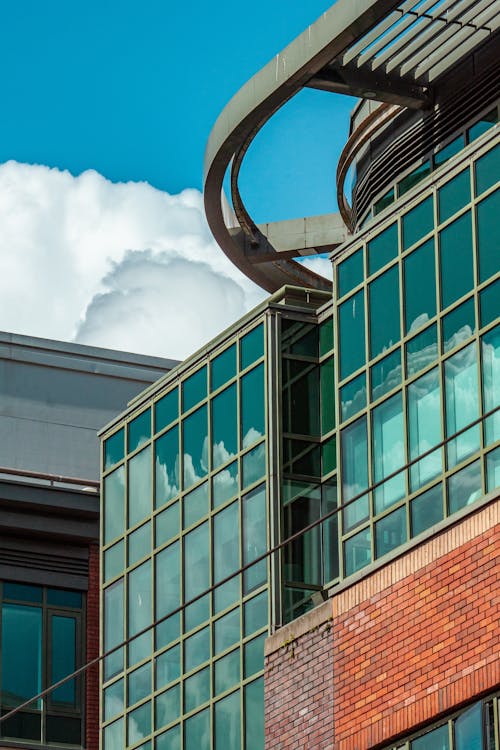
x,y
412,640
92,674
298,686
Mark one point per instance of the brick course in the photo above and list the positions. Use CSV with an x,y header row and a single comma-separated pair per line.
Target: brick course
x,y
92,650
410,641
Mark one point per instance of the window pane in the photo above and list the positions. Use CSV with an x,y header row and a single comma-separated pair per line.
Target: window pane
x,y
462,403
21,654
254,537
357,552
114,449
438,739
139,430
167,706
167,467
488,242
255,614
139,723
353,397
490,345
417,222
488,303
254,655
227,672
22,592
168,630
325,336
487,170
352,334
196,562
63,598
454,195
442,156
424,423
197,690
166,410
385,375
390,532
194,389
329,455
354,449
384,311
139,598
421,350
114,504
254,465
300,397
139,684
114,738
483,125
468,729
302,557
464,487
113,627
197,731
167,524
459,325
225,485
327,385
196,649
195,440
224,427
223,367
419,286
195,505
227,716
300,338
63,659
139,486
114,701
455,243
413,178
168,666
427,509
252,406
350,273
493,469
254,715
170,740
252,346
139,543
383,248
383,202
388,451
226,542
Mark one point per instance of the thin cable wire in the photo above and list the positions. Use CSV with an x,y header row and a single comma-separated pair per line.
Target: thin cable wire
x,y
277,548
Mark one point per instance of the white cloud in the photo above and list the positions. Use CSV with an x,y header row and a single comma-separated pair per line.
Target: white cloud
x,y
118,265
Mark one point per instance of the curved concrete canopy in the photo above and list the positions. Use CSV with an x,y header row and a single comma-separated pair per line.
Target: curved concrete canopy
x,y
367,48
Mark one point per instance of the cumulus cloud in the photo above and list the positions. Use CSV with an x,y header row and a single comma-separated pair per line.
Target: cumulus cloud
x,y
118,265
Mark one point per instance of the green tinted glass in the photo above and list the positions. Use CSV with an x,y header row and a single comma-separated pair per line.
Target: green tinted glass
x,y
329,455
254,534
353,397
390,532
462,403
418,222
139,543
455,245
487,170
227,719
114,449
167,707
226,542
114,504
139,723
252,346
354,453
426,510
357,552
195,436
385,375
114,560
225,484
139,598
458,325
421,350
168,666
327,386
227,631
413,178
254,655
383,295
113,701
196,561
325,336
490,354
352,334
350,273
197,731
223,367
441,156
488,303
170,740
438,739
166,410
252,406
255,614
167,579
388,441
253,465
488,236
196,649
383,202
139,486
227,672
454,195
493,469
195,505
424,427
139,684
464,487
197,690
419,286
224,426
139,430
194,389
167,524
383,248
254,708
167,467
483,125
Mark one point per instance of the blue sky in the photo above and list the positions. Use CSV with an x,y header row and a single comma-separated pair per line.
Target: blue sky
x,y
132,90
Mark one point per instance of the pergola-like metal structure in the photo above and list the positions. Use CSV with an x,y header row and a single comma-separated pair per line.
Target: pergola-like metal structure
x,y
387,50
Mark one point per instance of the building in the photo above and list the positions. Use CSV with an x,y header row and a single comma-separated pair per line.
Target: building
x,y
54,397
371,402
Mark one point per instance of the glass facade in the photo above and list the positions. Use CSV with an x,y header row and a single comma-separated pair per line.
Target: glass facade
x,y
41,637
185,506
418,362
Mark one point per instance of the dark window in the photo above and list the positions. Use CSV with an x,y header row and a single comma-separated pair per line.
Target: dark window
x,y
41,636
